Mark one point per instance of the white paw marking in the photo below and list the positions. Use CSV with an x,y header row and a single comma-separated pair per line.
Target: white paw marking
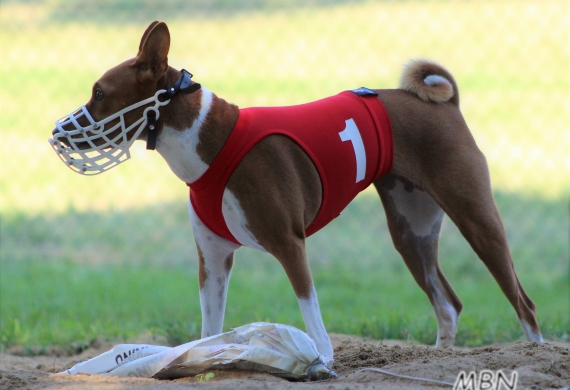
x,y
529,333
447,319
316,328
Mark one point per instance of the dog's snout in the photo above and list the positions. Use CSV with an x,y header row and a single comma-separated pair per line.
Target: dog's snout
x,y
55,131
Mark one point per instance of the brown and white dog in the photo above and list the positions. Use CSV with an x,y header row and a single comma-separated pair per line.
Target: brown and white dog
x,y
275,192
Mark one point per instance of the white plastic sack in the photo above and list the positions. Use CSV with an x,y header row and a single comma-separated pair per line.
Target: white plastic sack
x,y
278,349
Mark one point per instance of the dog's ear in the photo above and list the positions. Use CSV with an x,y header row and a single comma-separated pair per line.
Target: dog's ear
x,y
152,58
145,35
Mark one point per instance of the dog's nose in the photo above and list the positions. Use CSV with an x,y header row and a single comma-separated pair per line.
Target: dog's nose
x,y
55,131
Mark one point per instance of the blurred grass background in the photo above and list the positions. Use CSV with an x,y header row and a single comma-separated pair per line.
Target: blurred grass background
x,y
112,256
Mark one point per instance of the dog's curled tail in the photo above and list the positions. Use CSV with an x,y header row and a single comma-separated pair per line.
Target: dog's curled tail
x,y
430,82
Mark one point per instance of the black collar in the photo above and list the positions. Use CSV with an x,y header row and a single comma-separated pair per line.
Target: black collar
x,y
182,85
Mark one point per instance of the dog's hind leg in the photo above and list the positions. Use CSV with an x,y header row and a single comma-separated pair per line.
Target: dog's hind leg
x,y
466,197
434,148
215,256
414,220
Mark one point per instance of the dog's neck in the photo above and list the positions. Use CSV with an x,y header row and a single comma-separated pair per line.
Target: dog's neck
x,y
194,130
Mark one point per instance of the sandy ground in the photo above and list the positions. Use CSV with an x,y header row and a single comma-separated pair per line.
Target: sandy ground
x,y
539,366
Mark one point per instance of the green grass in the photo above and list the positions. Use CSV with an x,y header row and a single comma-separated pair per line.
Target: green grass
x,y
112,256
116,276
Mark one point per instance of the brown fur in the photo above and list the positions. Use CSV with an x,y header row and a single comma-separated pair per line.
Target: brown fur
x,y
436,159
202,274
413,77
216,129
268,208
180,111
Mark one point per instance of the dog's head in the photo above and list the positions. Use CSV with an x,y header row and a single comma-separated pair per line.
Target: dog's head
x,y
123,105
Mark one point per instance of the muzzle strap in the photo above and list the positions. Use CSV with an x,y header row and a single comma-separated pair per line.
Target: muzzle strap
x,y
151,126
182,85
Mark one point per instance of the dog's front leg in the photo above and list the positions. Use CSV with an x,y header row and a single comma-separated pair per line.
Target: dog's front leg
x,y
291,254
315,327
215,255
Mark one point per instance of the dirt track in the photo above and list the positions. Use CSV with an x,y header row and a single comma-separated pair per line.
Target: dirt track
x,y
539,366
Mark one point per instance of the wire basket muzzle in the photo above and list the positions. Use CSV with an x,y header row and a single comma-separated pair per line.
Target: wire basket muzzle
x,y
100,146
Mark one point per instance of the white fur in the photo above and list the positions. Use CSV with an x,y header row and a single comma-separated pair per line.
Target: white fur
x,y
315,326
236,221
215,250
179,150
434,79
529,333
178,147
412,206
422,213
447,319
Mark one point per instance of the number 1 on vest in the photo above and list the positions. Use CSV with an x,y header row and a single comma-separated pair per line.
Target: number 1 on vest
x,y
352,134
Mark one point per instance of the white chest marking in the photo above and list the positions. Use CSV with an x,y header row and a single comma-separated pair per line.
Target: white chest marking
x,y
178,147
236,221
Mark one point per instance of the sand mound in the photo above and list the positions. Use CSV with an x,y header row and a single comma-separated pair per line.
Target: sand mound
x,y
538,366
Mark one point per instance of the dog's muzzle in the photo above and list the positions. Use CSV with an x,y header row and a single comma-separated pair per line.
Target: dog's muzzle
x,y
102,145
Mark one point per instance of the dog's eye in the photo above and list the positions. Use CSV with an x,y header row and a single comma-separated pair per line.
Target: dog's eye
x,y
98,95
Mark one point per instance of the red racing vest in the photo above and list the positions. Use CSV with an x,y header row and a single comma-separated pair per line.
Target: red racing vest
x,y
348,137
